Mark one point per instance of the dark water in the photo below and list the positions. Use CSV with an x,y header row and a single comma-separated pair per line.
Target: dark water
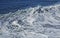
x,y
13,5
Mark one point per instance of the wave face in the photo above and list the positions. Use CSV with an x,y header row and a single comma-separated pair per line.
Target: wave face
x,y
33,22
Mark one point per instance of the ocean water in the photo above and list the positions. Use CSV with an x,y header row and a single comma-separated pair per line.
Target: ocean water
x,y
7,6
35,20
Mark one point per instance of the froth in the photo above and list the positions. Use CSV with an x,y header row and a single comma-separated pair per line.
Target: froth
x,y
31,22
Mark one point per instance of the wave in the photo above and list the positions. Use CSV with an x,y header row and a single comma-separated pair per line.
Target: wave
x,y
33,22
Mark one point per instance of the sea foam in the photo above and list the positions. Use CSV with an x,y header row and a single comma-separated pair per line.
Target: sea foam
x,y
33,22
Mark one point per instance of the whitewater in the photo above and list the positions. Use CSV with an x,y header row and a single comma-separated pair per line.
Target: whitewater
x,y
33,22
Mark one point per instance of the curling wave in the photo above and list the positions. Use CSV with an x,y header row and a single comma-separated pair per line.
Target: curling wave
x,y
33,22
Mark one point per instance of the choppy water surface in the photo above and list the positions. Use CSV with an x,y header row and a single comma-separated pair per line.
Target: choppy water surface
x,y
33,22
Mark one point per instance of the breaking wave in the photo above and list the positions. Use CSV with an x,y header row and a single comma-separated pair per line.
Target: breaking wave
x,y
33,22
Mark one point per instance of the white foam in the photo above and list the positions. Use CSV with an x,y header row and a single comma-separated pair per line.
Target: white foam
x,y
34,16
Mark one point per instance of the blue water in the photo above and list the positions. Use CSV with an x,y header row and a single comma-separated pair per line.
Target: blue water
x,y
13,5
34,21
